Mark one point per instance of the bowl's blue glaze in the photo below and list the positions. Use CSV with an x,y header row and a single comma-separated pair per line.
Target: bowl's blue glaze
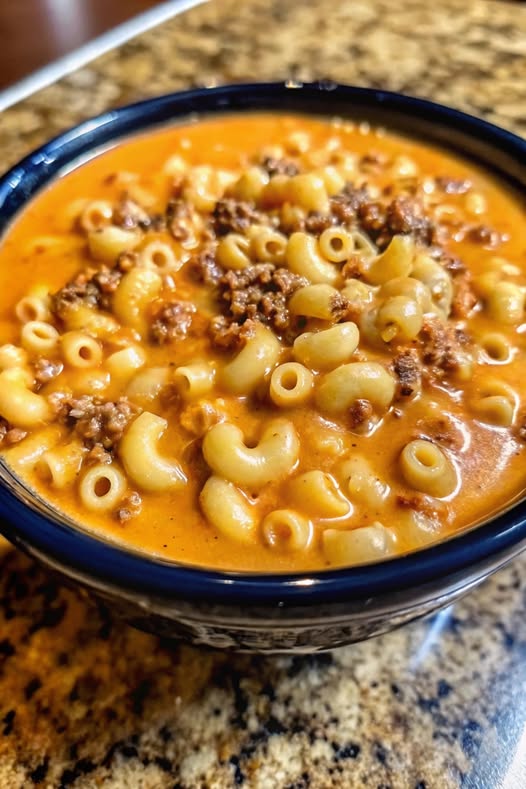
x,y
304,612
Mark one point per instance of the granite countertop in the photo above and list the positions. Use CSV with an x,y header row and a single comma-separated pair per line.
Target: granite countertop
x,y
86,701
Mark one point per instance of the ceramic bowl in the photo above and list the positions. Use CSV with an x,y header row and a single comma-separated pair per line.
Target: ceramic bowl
x,y
261,612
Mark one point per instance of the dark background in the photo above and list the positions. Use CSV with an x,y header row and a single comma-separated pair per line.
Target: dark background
x,y
36,32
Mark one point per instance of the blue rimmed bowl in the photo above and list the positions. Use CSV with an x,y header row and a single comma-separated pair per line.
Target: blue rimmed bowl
x,y
260,612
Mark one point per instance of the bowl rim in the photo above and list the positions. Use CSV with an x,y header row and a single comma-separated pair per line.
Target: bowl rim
x,y
108,563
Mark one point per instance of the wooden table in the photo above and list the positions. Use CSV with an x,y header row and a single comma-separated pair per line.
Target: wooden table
x,y
37,32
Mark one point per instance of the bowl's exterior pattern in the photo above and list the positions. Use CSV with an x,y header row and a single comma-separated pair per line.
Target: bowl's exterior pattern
x,y
263,613
240,633
311,626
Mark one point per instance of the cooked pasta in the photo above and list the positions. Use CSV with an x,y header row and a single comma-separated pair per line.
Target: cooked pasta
x,y
159,255
233,251
290,384
287,530
336,244
267,245
33,307
80,350
316,301
326,349
60,466
396,261
95,215
102,487
304,258
39,337
426,468
109,242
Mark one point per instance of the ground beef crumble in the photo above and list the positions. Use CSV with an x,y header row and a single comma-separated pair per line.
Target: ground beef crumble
x,y
235,216
198,418
376,160
418,501
178,219
407,368
10,435
372,218
442,344
354,268
96,421
46,370
130,507
453,186
129,215
315,223
203,267
440,429
98,454
339,306
171,320
359,413
405,215
90,288
126,261
107,280
260,292
80,290
464,299
274,166
227,335
346,206
452,265
380,220
485,235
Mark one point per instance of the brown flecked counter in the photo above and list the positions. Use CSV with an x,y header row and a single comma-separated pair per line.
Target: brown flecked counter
x,y
86,701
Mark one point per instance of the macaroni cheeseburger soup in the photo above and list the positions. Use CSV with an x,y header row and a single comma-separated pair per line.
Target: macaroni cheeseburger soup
x,y
267,342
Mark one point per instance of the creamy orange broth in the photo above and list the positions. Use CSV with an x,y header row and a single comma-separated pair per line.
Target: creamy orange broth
x,y
47,247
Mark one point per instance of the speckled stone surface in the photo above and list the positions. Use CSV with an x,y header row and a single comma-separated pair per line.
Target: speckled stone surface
x,y
88,702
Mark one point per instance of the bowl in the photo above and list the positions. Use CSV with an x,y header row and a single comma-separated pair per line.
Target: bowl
x,y
292,613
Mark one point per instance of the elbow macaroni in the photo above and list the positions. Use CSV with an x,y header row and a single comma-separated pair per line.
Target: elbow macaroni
x,y
427,469
102,487
317,494
18,404
396,261
290,384
328,348
365,544
80,350
315,301
135,292
304,259
248,369
141,459
287,530
274,456
348,383
225,507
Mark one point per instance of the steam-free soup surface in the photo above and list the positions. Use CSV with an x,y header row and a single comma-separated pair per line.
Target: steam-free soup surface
x,y
267,342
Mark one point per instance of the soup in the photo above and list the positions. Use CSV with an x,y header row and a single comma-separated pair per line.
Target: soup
x,y
267,342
